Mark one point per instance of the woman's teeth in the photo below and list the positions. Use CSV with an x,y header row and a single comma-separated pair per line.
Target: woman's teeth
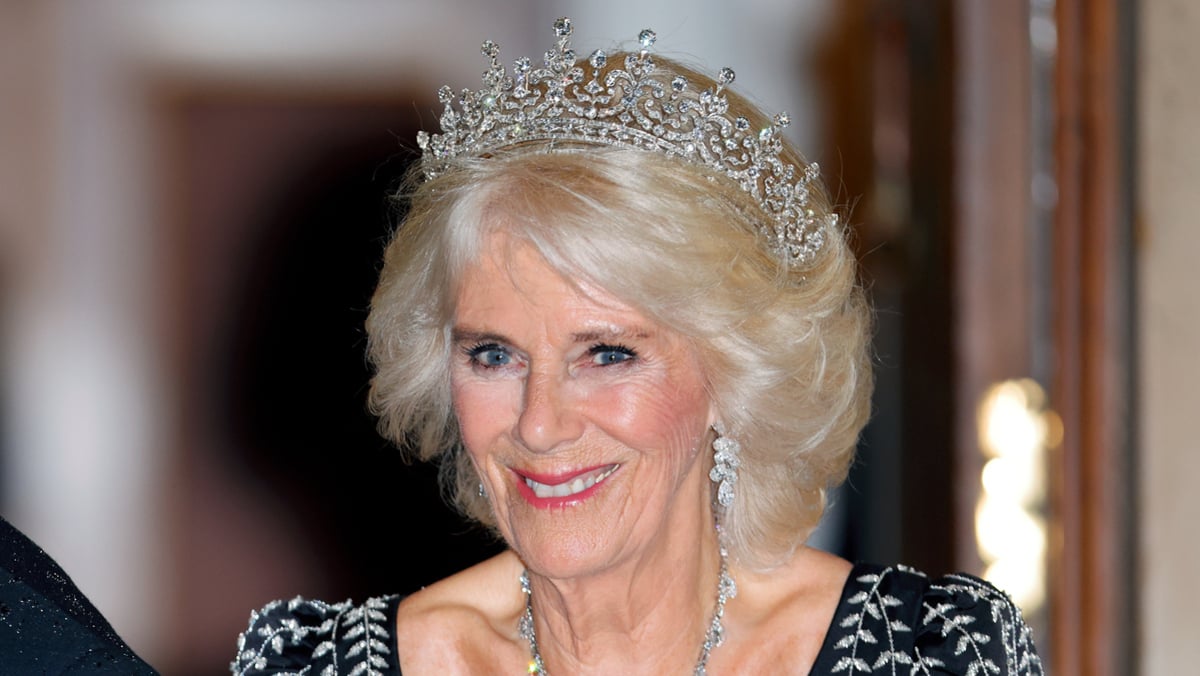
x,y
568,488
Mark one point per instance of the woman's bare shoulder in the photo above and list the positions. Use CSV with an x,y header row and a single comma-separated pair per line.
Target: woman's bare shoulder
x,y
462,619
479,587
785,612
810,577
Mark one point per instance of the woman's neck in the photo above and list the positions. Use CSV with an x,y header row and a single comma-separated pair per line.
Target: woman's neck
x,y
641,615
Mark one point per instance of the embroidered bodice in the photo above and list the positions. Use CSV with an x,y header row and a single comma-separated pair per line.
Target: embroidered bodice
x,y
890,620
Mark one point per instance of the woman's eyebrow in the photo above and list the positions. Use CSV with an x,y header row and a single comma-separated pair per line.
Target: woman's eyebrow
x,y
611,333
467,335
461,335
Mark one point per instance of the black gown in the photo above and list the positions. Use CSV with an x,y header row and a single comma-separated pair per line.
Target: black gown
x,y
47,625
890,620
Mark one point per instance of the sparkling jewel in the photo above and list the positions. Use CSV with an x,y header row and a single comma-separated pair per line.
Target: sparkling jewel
x,y
726,460
630,108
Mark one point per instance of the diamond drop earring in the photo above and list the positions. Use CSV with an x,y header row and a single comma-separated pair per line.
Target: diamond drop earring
x,y
725,463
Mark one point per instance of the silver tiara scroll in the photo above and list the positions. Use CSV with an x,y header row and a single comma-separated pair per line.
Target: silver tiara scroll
x,y
630,108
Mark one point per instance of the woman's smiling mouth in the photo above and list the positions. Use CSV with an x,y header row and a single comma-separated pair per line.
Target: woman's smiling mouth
x,y
568,486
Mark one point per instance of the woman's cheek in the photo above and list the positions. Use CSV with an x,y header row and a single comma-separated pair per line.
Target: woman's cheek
x,y
467,408
650,404
482,409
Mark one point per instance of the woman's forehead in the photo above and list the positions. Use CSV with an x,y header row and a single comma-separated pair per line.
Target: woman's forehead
x,y
512,272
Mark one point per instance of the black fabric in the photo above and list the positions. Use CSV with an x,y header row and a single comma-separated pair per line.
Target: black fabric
x,y
47,625
897,620
303,636
890,620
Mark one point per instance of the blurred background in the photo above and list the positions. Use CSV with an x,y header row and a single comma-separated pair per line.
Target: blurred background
x,y
194,198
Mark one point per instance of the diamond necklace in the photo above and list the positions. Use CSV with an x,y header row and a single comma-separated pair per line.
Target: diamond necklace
x,y
726,589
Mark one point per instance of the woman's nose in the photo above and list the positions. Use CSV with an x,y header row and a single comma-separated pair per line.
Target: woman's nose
x,y
548,419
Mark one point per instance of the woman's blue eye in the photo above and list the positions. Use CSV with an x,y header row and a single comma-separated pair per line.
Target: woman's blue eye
x,y
607,355
489,356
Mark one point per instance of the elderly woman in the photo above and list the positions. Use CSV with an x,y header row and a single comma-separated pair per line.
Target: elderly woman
x,y
623,317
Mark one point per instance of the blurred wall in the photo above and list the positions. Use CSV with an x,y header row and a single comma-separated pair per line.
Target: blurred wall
x,y
1169,336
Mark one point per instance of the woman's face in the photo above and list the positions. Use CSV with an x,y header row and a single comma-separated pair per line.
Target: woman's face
x,y
583,417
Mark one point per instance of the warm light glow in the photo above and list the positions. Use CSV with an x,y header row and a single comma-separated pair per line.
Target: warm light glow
x,y
1010,419
1014,434
1019,480
1004,530
1024,581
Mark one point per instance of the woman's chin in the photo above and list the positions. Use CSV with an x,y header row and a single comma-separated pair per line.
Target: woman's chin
x,y
564,555
560,566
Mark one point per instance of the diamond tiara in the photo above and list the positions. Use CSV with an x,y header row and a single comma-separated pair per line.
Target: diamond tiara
x,y
636,107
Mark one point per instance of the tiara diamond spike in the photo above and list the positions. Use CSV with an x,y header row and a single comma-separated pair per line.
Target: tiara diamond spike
x,y
637,107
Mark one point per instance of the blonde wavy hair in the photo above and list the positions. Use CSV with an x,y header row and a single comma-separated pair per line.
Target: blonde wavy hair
x,y
785,351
